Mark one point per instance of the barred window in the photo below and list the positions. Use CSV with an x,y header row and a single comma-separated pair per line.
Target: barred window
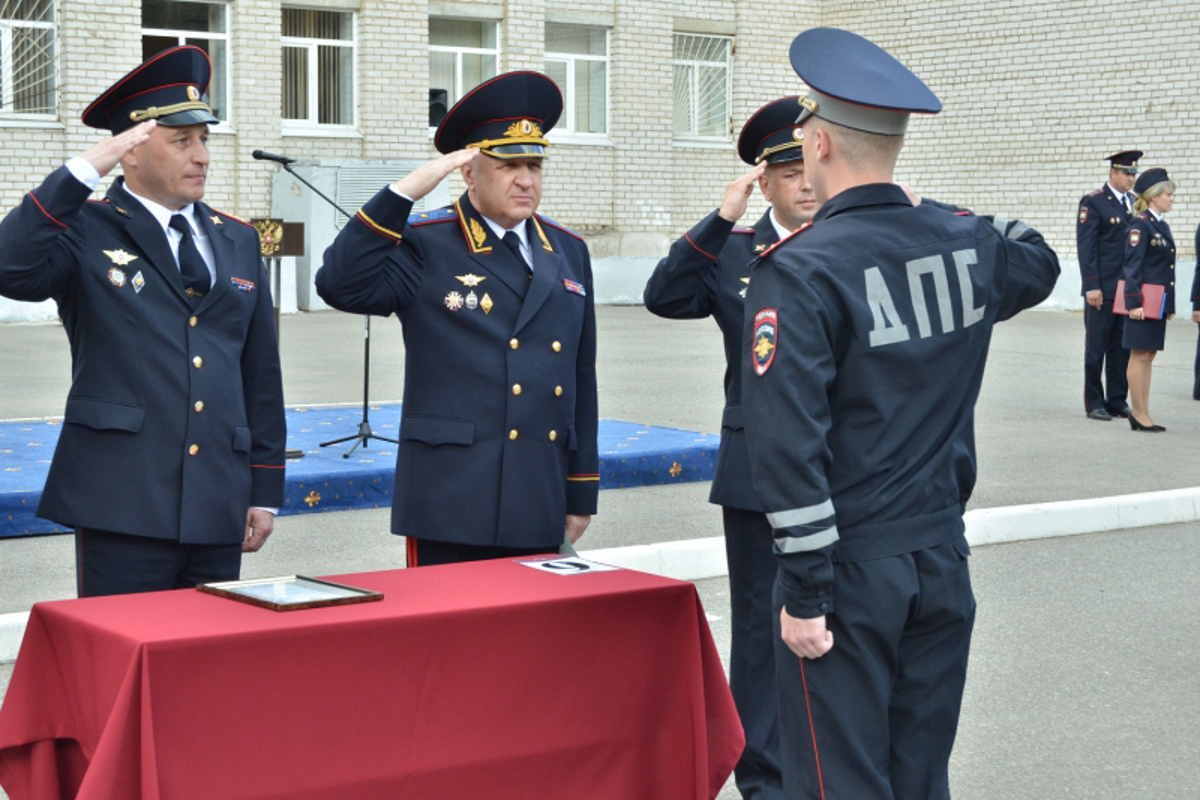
x,y
318,67
462,54
170,23
702,86
577,60
28,58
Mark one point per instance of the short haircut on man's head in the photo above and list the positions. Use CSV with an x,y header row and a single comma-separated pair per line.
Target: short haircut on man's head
x,y
860,149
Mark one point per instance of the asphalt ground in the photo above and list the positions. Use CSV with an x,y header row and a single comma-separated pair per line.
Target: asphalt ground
x,y
1082,680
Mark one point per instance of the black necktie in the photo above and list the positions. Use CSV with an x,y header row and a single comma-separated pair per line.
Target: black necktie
x,y
1128,205
196,279
514,243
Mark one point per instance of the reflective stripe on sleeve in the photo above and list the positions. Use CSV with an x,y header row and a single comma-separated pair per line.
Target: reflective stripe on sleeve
x,y
800,516
803,544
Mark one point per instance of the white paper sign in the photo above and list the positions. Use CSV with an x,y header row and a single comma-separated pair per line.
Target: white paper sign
x,y
569,566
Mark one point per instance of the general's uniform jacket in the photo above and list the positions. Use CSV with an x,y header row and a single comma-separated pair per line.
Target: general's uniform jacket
x,y
499,428
867,334
707,272
174,424
1149,258
1100,228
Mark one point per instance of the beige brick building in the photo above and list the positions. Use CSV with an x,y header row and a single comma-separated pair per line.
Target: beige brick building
x,y
1035,93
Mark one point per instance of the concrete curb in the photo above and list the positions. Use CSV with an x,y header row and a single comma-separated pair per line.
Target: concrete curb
x,y
697,559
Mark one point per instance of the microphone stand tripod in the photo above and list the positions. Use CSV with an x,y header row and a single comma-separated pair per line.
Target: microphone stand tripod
x,y
365,434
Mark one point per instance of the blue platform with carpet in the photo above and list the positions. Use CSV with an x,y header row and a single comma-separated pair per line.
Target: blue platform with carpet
x,y
630,455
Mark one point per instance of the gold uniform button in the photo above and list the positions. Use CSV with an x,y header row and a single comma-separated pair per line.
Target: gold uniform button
x,y
199,406
556,347
516,388
514,344
553,435
512,434
192,321
558,391
197,362
194,449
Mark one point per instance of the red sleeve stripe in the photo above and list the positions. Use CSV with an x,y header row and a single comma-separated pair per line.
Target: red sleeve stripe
x,y
43,210
375,226
693,244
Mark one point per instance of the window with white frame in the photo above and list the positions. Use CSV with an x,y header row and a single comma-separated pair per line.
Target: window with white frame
x,y
462,54
170,23
318,68
577,60
28,58
702,86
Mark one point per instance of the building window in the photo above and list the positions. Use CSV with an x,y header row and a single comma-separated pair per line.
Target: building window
x,y
170,23
462,55
318,67
28,58
702,87
577,60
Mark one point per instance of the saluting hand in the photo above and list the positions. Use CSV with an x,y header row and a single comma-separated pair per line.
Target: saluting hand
x,y
737,194
107,153
422,180
807,638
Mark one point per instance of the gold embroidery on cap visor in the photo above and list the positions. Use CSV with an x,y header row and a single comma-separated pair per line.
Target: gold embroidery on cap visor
x,y
523,139
156,112
779,148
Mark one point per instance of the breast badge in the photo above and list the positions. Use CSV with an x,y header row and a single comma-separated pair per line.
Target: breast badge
x,y
116,277
139,282
242,284
766,334
486,303
472,301
574,287
470,280
454,301
120,257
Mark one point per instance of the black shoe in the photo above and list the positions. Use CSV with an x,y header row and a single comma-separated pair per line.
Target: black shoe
x,y
1123,413
1137,426
1100,414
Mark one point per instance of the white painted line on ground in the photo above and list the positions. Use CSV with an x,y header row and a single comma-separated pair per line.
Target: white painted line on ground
x,y
697,559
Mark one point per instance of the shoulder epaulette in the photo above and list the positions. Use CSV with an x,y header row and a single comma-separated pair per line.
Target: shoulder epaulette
x,y
231,216
1095,192
557,226
787,238
740,229
99,200
444,214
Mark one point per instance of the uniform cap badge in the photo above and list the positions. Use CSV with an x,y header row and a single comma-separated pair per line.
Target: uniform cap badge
x,y
120,257
766,335
116,276
454,301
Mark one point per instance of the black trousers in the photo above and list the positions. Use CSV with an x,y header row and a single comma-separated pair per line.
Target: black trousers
x,y
1104,354
427,552
1196,385
117,563
875,717
752,567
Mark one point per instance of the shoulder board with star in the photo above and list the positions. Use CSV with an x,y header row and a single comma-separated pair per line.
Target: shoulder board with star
x,y
444,214
99,200
740,229
1095,192
557,226
787,238
232,217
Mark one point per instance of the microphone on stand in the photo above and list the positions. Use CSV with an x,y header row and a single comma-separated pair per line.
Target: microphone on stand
x,y
262,155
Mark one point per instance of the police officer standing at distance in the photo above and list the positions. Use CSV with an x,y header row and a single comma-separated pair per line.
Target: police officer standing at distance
x,y
867,334
170,463
498,453
706,273
1100,226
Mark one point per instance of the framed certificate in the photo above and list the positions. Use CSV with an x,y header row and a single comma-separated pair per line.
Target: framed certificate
x,y
290,593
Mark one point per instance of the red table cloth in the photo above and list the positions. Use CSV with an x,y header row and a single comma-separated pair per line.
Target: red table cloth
x,y
481,681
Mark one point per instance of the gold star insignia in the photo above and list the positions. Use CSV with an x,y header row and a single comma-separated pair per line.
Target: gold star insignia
x,y
470,279
216,220
758,248
763,348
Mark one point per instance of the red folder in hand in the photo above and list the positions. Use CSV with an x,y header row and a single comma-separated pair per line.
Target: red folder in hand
x,y
1154,300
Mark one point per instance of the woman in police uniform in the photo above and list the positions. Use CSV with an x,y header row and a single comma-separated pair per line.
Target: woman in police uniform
x,y
1149,259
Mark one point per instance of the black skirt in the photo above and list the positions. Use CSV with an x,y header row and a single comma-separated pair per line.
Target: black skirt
x,y
1144,334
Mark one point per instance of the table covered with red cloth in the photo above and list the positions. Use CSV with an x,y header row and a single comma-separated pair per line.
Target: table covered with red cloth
x,y
485,680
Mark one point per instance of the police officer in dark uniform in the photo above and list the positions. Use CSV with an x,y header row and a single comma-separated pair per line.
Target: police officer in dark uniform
x,y
706,273
1100,226
867,333
498,453
1196,315
170,463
